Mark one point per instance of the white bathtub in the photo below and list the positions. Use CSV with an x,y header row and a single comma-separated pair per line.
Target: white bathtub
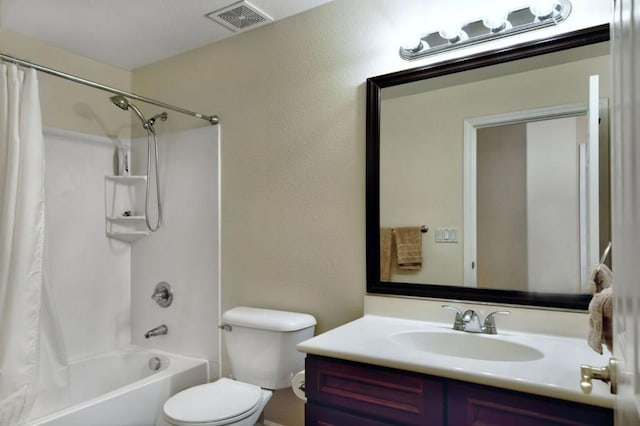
x,y
119,388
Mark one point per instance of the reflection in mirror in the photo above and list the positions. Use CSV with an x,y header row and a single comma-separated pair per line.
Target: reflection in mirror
x,y
499,163
526,205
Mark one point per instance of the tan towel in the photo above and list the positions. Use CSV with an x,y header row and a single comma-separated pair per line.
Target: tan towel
x,y
386,253
600,320
600,278
408,247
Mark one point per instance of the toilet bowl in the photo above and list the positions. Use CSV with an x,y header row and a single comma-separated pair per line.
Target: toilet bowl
x,y
248,331
223,402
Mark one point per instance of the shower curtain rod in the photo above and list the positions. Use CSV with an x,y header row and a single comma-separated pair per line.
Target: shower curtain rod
x,y
212,119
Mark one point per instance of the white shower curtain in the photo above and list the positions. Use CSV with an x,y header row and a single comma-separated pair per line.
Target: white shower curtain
x,y
23,296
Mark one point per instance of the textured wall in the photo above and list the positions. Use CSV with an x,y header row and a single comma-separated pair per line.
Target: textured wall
x,y
67,105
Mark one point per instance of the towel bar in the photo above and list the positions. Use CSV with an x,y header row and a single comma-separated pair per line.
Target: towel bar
x,y
424,229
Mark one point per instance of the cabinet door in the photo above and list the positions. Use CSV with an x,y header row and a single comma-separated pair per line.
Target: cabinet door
x,y
471,405
391,396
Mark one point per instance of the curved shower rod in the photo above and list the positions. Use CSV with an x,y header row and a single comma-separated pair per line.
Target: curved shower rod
x,y
212,119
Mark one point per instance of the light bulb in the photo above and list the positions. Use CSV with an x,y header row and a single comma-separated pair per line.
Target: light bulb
x,y
543,8
453,33
414,44
496,20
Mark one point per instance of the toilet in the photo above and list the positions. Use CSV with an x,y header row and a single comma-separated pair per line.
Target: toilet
x,y
261,344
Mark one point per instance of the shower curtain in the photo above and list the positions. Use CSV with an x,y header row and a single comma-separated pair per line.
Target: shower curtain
x,y
27,353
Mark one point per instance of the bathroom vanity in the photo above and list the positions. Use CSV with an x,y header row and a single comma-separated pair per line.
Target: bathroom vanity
x,y
348,393
381,370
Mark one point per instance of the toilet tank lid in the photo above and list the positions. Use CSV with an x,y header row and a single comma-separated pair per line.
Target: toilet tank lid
x,y
267,319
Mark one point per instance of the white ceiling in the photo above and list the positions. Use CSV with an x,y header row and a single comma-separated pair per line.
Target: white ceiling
x,y
130,33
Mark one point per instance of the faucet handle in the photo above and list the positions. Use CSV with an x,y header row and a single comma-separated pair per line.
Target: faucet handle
x,y
458,324
163,294
490,322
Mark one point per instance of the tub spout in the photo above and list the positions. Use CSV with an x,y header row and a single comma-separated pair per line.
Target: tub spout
x,y
158,331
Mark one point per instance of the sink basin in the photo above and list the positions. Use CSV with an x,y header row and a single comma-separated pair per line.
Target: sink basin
x,y
466,345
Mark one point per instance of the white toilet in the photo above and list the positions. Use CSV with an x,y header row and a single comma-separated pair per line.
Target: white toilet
x,y
261,344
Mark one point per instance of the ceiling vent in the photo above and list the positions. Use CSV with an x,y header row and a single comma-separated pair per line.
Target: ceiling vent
x,y
240,16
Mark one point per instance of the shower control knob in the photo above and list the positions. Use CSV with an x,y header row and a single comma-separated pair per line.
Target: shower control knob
x,y
163,294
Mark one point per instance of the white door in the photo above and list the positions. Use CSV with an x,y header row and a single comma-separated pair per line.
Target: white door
x,y
626,207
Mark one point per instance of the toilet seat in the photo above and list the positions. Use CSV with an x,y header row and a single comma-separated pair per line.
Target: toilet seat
x,y
213,404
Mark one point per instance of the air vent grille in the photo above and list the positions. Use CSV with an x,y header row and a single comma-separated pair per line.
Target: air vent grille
x,y
239,16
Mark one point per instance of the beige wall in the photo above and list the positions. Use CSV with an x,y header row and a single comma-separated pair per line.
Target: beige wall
x,y
67,105
502,207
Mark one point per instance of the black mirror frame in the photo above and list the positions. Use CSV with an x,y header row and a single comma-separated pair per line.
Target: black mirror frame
x,y
374,88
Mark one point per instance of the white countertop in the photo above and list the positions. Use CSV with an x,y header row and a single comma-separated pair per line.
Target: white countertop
x,y
556,374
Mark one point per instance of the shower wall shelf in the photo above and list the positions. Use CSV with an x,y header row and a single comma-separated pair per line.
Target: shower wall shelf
x,y
124,207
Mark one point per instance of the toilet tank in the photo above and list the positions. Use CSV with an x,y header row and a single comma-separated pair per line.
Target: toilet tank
x,y
261,344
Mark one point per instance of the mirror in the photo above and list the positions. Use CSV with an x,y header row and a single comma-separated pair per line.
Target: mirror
x,y
494,158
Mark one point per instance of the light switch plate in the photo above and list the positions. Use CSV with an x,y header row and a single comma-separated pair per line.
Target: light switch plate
x,y
446,235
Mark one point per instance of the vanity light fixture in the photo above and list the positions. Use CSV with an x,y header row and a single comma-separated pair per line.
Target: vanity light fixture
x,y
495,24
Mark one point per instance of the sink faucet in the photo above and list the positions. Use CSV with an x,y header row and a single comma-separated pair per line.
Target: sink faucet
x,y
158,331
469,321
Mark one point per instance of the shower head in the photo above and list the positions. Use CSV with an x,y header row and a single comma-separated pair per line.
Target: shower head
x,y
123,103
120,101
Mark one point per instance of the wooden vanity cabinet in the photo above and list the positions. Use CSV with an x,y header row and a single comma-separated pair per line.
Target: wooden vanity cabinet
x,y
345,393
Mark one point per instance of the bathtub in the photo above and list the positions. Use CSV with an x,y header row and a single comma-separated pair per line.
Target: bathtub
x,y
120,388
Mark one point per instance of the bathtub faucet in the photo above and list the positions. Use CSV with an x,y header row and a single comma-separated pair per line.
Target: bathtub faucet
x,y
158,331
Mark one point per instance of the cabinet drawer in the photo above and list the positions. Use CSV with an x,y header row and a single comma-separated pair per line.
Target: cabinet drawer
x,y
480,405
379,393
317,415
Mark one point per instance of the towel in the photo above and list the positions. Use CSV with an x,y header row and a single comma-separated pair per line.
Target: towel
x,y
408,242
386,256
600,315
600,278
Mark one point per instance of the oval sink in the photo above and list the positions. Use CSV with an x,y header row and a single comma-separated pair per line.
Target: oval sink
x,y
466,345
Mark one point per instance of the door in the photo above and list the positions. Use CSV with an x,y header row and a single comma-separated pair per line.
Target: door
x,y
626,206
